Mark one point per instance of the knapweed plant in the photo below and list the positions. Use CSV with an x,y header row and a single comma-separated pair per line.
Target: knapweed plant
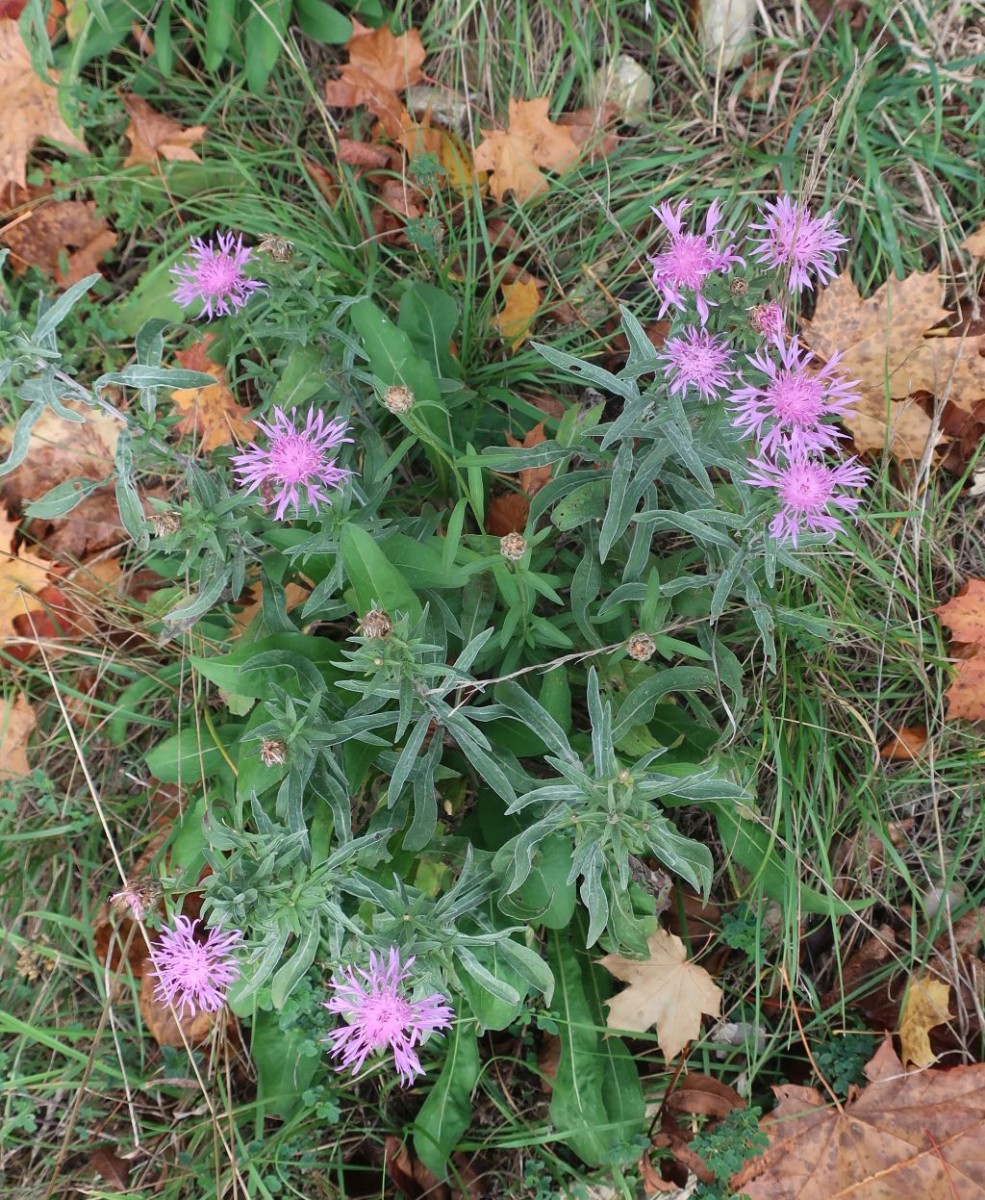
x,y
442,767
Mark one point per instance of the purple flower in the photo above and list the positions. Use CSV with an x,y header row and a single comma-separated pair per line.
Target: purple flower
x,y
689,259
215,276
769,320
786,410
193,972
799,241
700,360
806,489
296,458
379,1014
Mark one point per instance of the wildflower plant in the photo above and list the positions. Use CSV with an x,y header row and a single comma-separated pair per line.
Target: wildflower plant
x,y
445,761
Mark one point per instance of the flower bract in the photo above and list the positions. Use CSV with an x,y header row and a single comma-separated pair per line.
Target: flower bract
x,y
194,972
381,1014
298,458
215,276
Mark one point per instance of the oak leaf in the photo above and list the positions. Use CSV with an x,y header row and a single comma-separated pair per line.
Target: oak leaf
x,y
154,136
211,413
521,305
883,345
40,231
907,1134
517,158
380,65
17,722
30,108
664,990
925,1007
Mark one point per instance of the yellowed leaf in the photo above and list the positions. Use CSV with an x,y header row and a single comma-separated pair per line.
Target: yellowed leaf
x,y
974,243
211,413
521,304
925,1007
515,157
29,105
664,990
154,136
17,722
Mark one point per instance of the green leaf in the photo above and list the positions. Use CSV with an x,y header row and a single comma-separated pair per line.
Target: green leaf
x,y
263,34
293,971
284,659
447,1112
284,1072
391,353
63,498
429,316
374,579
638,706
322,22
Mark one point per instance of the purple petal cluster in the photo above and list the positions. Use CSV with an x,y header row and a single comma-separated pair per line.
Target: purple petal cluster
x,y
297,458
797,242
700,360
690,258
215,276
806,489
194,972
380,1014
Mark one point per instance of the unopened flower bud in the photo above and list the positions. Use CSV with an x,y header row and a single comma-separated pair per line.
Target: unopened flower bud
x,y
278,248
641,647
166,522
273,752
398,399
513,546
738,287
376,624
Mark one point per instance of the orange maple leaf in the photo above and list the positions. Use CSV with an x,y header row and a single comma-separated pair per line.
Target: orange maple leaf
x,y
531,141
964,614
522,302
154,136
30,108
211,412
380,65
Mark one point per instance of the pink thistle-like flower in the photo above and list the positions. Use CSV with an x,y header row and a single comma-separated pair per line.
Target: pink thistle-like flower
x,y
215,276
296,458
807,488
786,411
796,240
769,319
195,973
700,360
690,259
379,1014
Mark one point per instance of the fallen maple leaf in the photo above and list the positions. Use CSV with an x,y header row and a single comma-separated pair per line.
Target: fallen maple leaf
x,y
905,744
964,614
521,304
211,413
907,1134
665,990
974,243
17,722
380,65
30,108
515,157
39,230
925,1007
154,136
883,346
447,149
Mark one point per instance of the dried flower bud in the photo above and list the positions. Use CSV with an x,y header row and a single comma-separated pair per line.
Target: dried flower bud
x,y
738,287
166,522
768,319
279,248
273,752
513,546
30,964
376,624
398,399
641,647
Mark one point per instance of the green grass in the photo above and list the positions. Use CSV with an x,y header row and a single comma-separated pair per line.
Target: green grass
x,y
889,138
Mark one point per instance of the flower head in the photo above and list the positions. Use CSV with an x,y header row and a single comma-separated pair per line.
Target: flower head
x,y
700,360
215,276
689,259
807,488
193,972
379,1014
769,320
796,240
786,410
296,458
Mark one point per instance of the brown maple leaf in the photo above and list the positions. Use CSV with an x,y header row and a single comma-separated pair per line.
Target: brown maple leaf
x,y
516,318
964,614
154,136
883,345
40,231
907,1134
211,413
30,108
380,65
532,141
17,722
664,990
